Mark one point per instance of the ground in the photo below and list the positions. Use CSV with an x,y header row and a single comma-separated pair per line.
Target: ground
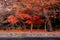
x,y
28,31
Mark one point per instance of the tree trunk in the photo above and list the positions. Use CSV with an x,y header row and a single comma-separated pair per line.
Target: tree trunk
x,y
32,23
48,22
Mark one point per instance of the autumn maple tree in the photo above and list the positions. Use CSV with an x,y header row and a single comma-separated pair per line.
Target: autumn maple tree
x,y
29,12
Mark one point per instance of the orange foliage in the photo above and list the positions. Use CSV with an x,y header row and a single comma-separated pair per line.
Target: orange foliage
x,y
37,8
23,15
12,19
28,18
28,22
36,20
32,1
29,6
